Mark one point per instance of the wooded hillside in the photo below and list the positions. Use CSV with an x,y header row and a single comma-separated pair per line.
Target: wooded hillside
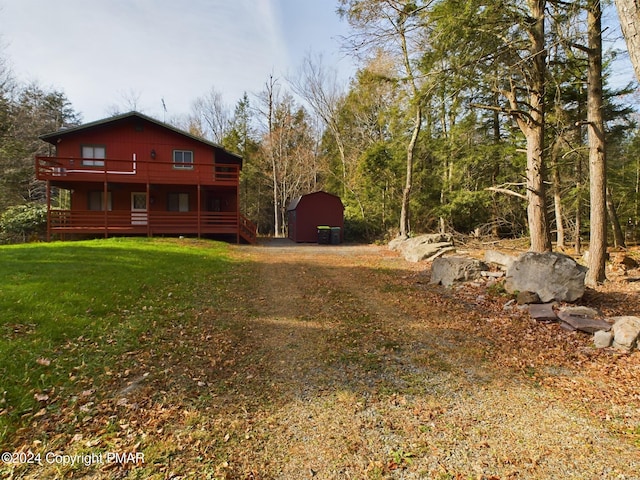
x,y
463,117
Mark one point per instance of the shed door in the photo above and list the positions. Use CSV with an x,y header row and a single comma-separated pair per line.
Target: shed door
x,y
139,208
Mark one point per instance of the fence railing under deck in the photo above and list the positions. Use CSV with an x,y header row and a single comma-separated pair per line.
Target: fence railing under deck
x,y
150,223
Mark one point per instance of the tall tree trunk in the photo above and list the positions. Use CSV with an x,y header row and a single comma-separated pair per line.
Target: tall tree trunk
x,y
557,198
405,225
406,192
577,239
629,13
534,132
270,98
597,159
618,235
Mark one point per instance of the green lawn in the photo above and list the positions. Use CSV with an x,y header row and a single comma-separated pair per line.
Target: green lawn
x,y
68,309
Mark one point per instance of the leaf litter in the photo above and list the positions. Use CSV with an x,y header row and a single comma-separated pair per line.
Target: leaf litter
x,y
343,362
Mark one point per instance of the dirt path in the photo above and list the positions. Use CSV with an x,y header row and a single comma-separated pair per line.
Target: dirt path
x,y
369,374
342,362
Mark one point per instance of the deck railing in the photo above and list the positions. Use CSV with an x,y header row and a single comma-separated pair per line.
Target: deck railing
x,y
135,171
248,229
150,223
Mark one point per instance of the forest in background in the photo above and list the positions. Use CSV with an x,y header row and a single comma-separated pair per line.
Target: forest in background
x,y
439,130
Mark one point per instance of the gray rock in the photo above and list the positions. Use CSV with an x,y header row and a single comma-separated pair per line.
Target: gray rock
x,y
625,332
498,258
422,251
553,276
416,249
602,339
396,244
581,311
401,243
583,319
525,298
543,312
448,270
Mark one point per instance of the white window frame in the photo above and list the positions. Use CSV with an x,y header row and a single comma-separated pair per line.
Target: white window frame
x,y
179,162
93,155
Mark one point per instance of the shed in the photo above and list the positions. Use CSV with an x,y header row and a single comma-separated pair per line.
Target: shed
x,y
307,212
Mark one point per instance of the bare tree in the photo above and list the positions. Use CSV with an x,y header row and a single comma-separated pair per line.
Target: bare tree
x,y
319,87
268,98
129,101
210,116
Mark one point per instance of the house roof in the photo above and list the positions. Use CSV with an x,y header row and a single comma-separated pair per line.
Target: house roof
x,y
53,137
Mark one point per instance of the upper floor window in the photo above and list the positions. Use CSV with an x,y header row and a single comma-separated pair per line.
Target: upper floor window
x,y
182,159
93,155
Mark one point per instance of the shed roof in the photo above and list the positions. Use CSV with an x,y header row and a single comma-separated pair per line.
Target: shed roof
x,y
296,201
53,137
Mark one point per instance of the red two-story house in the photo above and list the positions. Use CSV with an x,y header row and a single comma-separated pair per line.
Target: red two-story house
x,y
133,175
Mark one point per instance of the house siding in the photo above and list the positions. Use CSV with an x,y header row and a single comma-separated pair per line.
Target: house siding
x,y
139,158
127,138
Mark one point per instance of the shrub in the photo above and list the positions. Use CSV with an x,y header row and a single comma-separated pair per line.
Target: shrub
x,y
23,222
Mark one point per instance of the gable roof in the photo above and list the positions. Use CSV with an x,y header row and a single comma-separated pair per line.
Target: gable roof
x,y
53,137
296,201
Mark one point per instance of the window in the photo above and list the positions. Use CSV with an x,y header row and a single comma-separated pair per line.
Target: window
x,y
178,202
93,155
96,200
182,159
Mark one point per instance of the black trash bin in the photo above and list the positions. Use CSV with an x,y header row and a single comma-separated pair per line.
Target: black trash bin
x,y
335,235
324,235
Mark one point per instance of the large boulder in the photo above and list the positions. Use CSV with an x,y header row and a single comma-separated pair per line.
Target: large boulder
x,y
447,270
552,275
416,249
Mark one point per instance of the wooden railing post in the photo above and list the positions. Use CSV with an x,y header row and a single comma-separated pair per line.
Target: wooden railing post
x,y
48,211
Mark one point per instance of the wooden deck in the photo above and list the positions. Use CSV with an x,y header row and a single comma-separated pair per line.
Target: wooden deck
x,y
152,223
62,170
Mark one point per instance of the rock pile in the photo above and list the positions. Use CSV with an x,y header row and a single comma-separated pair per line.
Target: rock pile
x,y
621,333
540,281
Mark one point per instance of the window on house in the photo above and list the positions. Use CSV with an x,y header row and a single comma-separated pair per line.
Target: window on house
x,y
182,159
93,155
178,202
96,201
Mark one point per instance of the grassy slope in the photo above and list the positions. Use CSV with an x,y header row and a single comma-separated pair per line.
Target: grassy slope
x,y
68,309
282,364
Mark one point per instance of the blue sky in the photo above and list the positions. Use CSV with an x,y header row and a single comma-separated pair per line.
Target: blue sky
x,y
103,52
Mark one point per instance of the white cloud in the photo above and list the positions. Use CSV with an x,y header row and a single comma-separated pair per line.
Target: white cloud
x,y
98,50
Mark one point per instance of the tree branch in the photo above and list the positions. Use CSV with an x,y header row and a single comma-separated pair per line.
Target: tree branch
x,y
506,111
506,191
